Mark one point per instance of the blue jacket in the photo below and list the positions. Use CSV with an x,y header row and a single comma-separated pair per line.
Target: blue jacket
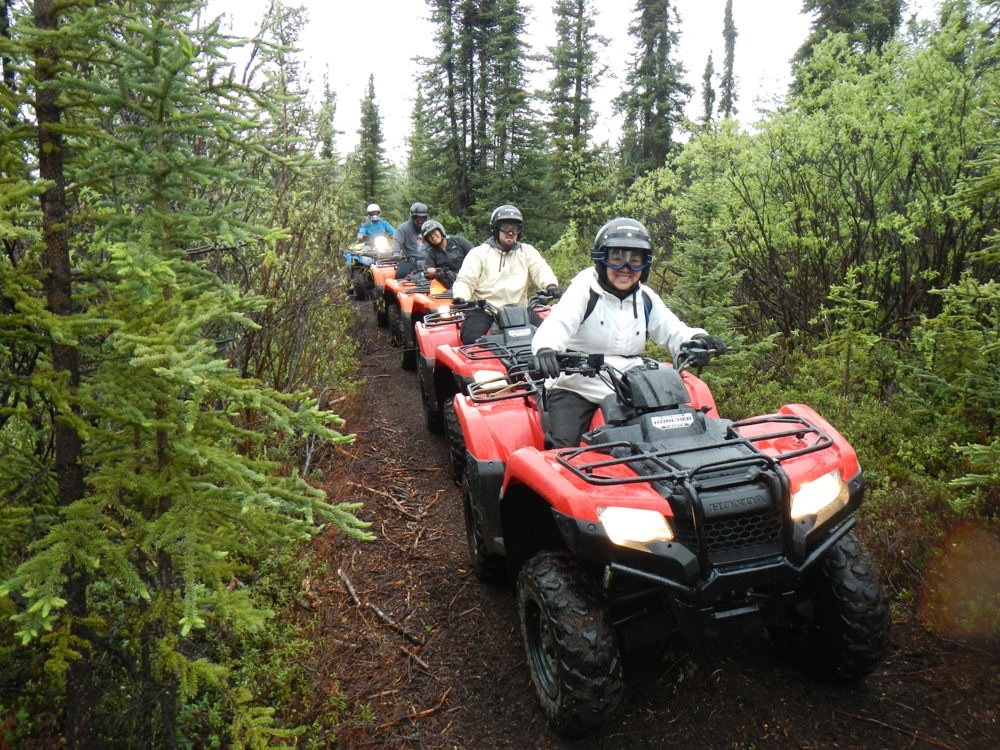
x,y
373,229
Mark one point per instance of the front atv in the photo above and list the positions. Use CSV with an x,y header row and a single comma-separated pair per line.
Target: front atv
x,y
666,521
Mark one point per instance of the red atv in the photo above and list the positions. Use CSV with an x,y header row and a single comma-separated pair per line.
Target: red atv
x,y
381,271
667,521
447,367
407,302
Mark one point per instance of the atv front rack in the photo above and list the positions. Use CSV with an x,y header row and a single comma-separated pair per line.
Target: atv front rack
x,y
742,454
442,318
500,389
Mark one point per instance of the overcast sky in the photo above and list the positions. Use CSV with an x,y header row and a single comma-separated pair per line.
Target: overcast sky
x,y
350,40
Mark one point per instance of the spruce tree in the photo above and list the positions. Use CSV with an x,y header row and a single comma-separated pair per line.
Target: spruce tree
x,y
655,93
575,61
708,92
727,86
370,154
868,24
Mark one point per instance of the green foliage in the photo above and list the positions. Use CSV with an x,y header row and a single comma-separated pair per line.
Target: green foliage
x,y
135,573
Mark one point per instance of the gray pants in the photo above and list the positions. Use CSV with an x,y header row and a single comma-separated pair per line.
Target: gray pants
x,y
567,417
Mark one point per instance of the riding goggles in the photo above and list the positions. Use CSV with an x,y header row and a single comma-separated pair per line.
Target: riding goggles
x,y
617,258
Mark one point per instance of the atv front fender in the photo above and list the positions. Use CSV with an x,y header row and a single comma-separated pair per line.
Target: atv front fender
x,y
570,495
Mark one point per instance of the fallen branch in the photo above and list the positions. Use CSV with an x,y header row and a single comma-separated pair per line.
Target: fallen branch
x,y
415,658
414,714
394,625
381,615
348,586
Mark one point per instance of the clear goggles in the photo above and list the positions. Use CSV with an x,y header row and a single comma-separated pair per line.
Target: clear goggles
x,y
617,258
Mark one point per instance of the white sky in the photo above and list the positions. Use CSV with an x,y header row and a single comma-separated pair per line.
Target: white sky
x,y
350,40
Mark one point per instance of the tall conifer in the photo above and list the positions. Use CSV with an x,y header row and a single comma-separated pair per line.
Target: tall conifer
x,y
727,86
655,93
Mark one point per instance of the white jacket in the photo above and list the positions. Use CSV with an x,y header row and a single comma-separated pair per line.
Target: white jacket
x,y
616,328
502,278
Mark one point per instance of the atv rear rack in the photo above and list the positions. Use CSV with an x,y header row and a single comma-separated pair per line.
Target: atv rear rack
x,y
662,465
492,350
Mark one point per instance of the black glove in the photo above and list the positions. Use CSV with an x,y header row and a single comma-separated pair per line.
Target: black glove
x,y
547,363
554,291
711,342
458,300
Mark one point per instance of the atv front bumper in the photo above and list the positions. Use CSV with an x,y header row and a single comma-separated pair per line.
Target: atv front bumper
x,y
704,599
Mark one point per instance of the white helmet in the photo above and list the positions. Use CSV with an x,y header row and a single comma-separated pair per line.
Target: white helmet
x,y
373,209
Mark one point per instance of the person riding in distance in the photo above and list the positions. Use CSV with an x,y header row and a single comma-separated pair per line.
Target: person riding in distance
x,y
606,309
374,226
408,242
502,271
445,252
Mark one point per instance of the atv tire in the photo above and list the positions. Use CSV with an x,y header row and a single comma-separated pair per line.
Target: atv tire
x,y
456,441
488,567
409,361
435,420
381,316
838,629
360,282
394,316
572,654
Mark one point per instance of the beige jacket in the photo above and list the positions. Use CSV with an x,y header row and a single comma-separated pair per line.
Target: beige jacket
x,y
502,278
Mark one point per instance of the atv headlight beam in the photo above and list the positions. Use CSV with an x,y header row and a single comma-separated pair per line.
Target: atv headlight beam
x,y
629,526
820,497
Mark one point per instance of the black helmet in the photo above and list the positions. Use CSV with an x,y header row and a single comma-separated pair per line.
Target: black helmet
x,y
429,226
418,209
502,213
624,233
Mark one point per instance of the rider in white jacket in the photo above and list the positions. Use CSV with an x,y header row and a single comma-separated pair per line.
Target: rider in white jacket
x,y
608,310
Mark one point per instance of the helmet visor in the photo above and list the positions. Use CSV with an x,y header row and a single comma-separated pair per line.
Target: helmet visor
x,y
617,258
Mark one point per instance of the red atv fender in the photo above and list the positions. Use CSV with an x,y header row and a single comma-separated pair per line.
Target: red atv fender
x,y
570,495
810,466
431,338
382,271
515,424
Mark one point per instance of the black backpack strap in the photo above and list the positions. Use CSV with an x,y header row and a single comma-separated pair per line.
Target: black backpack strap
x,y
647,304
591,304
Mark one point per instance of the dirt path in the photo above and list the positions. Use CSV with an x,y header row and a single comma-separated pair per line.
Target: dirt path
x,y
431,657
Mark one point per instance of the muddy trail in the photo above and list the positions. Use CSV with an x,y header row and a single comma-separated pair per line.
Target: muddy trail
x,y
426,656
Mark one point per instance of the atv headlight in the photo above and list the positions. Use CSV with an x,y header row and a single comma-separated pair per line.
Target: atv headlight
x,y
626,526
820,497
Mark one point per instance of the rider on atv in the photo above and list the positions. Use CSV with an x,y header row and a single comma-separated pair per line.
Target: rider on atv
x,y
408,242
501,271
374,226
445,252
606,310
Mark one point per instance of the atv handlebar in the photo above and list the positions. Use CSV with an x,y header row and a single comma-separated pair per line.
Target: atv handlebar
x,y
693,354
